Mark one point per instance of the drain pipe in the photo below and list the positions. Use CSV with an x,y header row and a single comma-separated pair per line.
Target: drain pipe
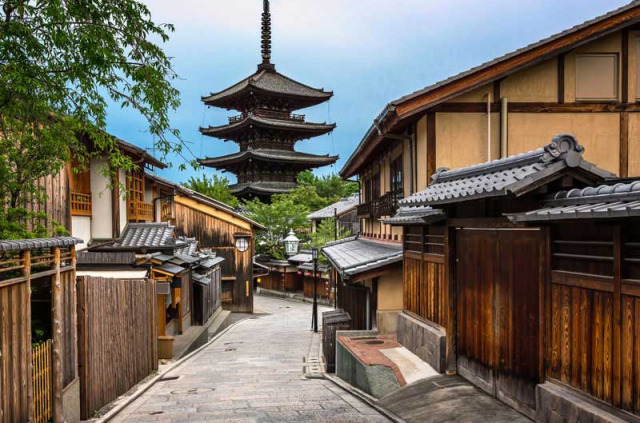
x,y
504,127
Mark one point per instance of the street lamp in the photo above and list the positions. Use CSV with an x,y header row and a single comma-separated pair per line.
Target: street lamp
x,y
314,317
291,244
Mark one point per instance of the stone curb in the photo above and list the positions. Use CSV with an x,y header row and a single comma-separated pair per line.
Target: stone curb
x,y
371,401
147,385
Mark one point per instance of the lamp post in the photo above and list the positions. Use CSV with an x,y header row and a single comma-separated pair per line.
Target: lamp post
x,y
314,317
291,243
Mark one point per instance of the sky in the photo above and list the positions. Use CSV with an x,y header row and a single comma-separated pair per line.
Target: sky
x,y
368,52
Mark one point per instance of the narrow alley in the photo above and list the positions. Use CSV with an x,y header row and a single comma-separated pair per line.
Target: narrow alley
x,y
252,373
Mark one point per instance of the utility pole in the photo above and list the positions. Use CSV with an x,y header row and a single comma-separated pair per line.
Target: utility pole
x,y
314,317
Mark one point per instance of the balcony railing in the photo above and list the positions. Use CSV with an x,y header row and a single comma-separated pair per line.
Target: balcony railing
x,y
140,211
166,210
365,210
272,114
80,203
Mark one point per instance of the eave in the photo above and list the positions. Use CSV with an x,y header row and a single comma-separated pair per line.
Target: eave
x,y
293,129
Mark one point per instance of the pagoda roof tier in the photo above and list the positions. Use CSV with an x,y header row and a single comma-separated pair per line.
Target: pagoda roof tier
x,y
268,84
289,157
293,129
267,188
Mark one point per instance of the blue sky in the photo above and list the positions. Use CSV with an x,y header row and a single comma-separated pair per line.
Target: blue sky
x,y
368,52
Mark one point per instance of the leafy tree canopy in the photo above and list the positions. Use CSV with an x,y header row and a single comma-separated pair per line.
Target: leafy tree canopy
x,y
326,232
279,217
329,186
60,64
216,187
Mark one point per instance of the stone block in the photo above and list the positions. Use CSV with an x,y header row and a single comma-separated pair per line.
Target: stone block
x,y
424,340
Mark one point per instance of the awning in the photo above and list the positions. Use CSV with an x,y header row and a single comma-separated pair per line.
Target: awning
x,y
201,279
418,215
169,269
114,274
352,256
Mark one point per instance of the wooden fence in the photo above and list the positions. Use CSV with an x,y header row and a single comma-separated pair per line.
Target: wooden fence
x,y
42,378
117,338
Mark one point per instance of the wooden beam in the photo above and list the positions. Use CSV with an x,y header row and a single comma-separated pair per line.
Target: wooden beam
x,y
616,379
624,144
115,204
497,95
26,273
57,384
419,102
561,66
538,107
625,66
452,301
431,145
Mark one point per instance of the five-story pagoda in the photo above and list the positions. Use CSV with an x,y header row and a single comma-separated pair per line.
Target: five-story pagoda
x,y
267,129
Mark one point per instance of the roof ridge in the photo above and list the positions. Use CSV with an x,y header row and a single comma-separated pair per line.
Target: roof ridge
x,y
617,192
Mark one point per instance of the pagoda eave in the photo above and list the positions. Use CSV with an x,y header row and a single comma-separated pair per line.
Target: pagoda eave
x,y
290,129
268,158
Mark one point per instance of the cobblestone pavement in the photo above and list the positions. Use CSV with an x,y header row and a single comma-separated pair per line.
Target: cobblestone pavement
x,y
253,373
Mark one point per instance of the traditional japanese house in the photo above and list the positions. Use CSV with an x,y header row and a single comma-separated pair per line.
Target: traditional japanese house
x,y
540,314
583,80
216,227
343,212
267,129
283,277
324,285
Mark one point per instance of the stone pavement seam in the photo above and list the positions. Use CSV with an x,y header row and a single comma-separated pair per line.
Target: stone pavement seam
x,y
364,397
148,385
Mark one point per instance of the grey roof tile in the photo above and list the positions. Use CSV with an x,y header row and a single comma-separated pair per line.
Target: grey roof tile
x,y
338,208
289,156
417,215
354,255
504,176
298,130
267,187
36,243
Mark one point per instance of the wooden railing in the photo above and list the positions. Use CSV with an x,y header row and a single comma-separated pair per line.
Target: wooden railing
x,y
386,205
273,114
365,210
166,210
80,203
140,211
41,370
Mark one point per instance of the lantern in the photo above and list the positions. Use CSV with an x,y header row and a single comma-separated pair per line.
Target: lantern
x,y
291,243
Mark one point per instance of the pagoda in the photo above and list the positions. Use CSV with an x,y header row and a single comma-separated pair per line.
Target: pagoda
x,y
266,128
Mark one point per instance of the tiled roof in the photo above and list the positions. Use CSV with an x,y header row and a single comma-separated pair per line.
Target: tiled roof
x,y
296,130
418,215
302,257
605,201
351,256
270,82
515,174
211,261
189,248
287,156
36,243
323,268
141,235
338,208
263,187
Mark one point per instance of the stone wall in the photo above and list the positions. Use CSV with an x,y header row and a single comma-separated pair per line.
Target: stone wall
x,y
424,340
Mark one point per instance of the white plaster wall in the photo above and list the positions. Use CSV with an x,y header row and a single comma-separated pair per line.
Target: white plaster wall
x,y
123,201
81,228
100,200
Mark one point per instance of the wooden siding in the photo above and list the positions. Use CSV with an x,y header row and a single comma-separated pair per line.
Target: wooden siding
x,y
119,350
276,281
353,300
15,349
218,235
206,298
322,289
594,342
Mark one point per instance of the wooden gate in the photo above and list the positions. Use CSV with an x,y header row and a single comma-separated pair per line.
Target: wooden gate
x,y
355,300
499,274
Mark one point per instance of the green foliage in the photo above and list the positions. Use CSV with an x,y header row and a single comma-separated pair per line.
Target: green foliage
x,y
306,195
60,62
281,216
216,187
328,186
326,232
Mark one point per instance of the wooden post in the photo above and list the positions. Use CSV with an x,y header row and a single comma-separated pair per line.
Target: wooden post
x,y
56,303
26,272
74,310
617,314
450,261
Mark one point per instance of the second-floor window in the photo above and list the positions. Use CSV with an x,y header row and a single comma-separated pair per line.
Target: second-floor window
x,y
372,188
397,181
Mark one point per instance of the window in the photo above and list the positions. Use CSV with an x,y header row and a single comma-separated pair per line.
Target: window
x,y
372,188
397,186
597,77
637,70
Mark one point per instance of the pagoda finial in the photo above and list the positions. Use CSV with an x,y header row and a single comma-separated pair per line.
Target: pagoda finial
x,y
266,35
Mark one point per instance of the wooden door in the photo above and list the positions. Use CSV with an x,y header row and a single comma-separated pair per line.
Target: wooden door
x,y
498,313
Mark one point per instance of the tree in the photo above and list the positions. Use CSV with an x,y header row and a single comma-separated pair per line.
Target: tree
x,y
279,217
328,186
216,187
306,195
60,64
325,233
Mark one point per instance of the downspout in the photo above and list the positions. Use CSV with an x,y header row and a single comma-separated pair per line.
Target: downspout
x,y
504,127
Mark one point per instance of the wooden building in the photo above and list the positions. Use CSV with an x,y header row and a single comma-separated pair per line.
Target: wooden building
x,y
537,314
216,227
343,213
267,129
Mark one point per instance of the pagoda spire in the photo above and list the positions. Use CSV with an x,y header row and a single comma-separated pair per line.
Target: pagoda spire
x,y
266,36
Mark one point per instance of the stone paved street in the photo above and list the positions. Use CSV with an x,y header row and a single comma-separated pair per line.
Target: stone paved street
x,y
253,373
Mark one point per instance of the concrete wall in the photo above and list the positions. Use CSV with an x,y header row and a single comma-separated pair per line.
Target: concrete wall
x,y
71,402
81,228
101,203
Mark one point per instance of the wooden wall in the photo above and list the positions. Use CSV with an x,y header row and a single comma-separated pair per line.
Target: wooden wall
x,y
15,346
56,205
595,312
353,300
69,329
322,289
425,282
206,298
117,338
275,280
218,235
